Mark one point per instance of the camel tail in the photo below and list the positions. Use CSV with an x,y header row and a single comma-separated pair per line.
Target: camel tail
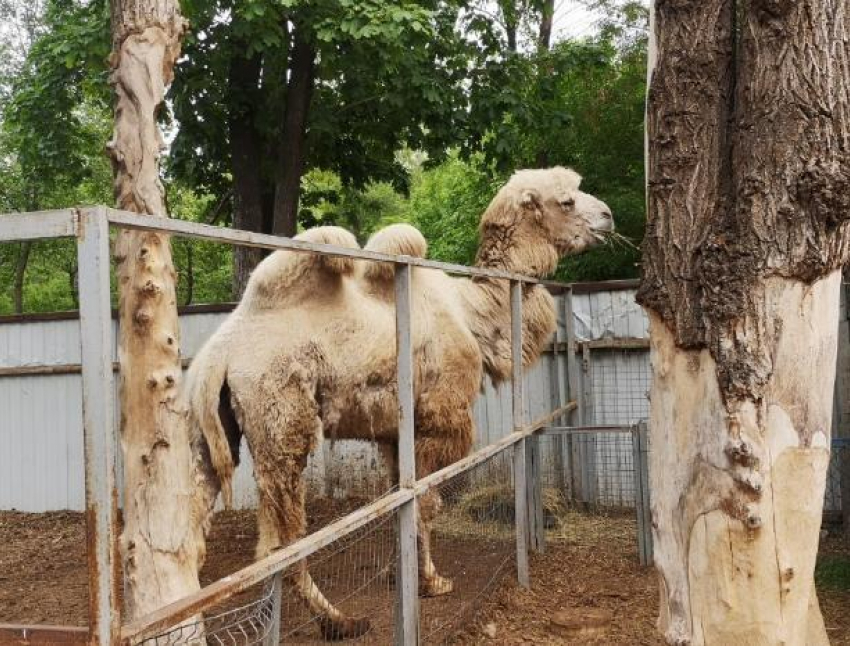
x,y
396,239
211,413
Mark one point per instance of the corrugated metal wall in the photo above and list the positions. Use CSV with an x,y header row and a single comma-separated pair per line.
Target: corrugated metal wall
x,y
41,464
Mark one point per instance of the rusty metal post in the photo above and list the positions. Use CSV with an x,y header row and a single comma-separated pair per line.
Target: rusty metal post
x,y
520,462
407,586
98,426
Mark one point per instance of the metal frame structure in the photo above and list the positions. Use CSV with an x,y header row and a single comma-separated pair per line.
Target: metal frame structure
x,y
91,227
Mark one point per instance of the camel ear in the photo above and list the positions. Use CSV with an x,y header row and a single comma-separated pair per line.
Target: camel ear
x,y
531,201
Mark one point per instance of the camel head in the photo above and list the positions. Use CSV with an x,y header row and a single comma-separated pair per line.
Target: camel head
x,y
538,217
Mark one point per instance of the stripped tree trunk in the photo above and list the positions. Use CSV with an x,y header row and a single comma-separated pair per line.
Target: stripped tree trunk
x,y
162,543
748,131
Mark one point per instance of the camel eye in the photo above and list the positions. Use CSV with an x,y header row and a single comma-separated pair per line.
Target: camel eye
x,y
568,203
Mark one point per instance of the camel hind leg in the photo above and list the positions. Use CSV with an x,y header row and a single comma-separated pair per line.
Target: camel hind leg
x,y
436,448
282,426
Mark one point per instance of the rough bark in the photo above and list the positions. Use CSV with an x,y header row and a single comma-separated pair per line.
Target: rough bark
x,y
292,151
164,510
245,153
748,189
20,276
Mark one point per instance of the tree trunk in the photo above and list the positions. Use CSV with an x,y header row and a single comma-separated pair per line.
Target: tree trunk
x,y
20,276
547,16
544,67
748,130
292,153
162,543
510,16
244,160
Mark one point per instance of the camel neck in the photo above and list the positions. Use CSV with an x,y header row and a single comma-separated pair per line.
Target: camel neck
x,y
488,312
507,248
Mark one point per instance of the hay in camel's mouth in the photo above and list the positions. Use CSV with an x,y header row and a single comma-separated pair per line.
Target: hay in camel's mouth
x,y
615,240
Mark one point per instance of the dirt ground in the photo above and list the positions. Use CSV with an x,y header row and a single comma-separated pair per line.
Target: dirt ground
x,y
588,563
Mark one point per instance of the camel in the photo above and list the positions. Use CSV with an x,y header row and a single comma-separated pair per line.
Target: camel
x,y
310,352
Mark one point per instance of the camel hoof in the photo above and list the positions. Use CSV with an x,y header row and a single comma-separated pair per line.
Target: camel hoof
x,y
436,586
344,628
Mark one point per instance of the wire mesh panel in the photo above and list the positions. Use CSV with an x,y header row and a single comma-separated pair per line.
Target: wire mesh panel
x,y
356,575
620,381
590,471
589,502
248,621
473,543
344,591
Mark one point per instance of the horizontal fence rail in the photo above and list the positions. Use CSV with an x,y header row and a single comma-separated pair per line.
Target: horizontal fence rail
x,y
38,225
63,223
128,220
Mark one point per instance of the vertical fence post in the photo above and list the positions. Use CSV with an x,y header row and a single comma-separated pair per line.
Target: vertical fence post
x,y
273,637
574,393
588,442
556,400
407,584
534,474
520,461
98,426
640,453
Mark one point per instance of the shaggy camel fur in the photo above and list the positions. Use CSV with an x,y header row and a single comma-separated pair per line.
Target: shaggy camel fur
x,y
310,351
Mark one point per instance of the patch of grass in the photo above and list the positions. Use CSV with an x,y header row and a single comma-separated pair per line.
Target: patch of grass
x,y
833,572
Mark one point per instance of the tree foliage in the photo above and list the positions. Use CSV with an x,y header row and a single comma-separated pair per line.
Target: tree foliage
x,y
467,89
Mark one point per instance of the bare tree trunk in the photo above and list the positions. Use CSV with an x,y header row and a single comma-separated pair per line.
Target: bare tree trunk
x,y
510,16
547,16
162,544
20,276
749,195
292,153
544,68
244,155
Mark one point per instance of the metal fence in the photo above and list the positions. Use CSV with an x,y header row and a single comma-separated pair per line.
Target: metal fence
x,y
245,606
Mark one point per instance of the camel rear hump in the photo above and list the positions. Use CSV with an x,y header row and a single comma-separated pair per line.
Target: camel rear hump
x,y
398,240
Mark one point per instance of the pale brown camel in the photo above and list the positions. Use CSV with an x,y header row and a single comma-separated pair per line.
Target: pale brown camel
x,y
310,351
